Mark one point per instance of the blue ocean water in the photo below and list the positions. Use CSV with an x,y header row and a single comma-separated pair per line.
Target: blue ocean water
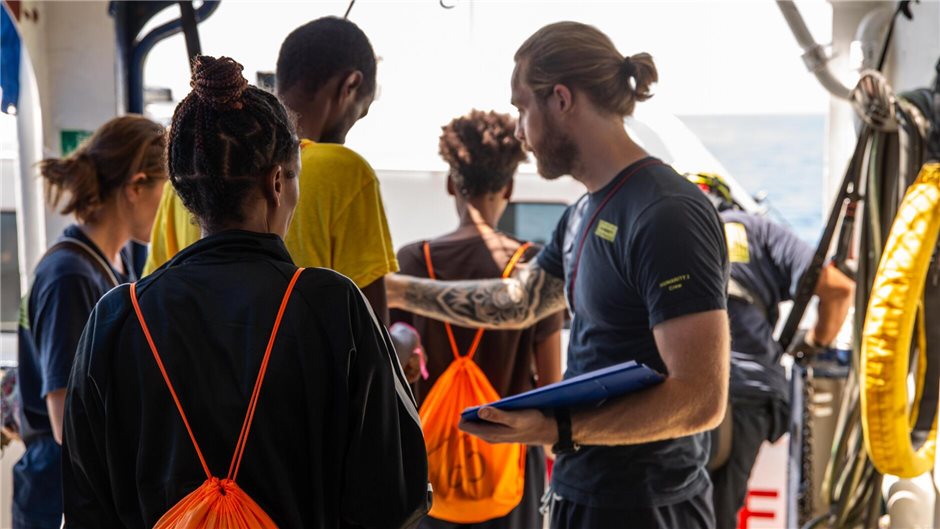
x,y
781,155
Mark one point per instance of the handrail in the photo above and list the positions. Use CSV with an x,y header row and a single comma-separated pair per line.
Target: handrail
x,y
135,96
814,54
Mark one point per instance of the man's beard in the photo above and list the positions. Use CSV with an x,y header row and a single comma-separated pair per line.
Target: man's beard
x,y
557,155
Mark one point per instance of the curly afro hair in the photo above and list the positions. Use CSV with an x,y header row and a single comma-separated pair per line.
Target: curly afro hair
x,y
482,151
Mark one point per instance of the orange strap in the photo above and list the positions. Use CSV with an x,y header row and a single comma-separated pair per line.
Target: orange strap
x,y
479,336
252,403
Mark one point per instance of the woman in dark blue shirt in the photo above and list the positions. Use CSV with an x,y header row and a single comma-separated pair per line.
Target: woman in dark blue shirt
x,y
112,184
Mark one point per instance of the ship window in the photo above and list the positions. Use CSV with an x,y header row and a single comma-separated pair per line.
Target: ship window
x,y
9,273
531,221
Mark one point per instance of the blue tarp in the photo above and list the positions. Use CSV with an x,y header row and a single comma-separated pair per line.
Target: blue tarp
x,y
9,62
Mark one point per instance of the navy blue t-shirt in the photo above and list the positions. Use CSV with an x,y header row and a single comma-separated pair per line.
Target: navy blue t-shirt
x,y
656,251
67,285
767,260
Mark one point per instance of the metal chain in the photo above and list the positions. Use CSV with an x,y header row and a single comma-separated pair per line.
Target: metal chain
x,y
807,490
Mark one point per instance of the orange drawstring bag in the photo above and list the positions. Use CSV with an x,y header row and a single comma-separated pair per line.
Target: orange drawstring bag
x,y
218,503
473,480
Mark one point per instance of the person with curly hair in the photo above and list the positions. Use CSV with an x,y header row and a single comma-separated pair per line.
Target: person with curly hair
x,y
335,441
483,155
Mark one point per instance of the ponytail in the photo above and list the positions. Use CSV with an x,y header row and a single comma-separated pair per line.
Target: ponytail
x,y
582,57
644,74
76,177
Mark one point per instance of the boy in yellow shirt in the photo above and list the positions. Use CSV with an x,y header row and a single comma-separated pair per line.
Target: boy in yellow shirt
x,y
326,76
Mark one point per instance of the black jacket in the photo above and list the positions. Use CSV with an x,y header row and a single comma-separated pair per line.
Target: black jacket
x,y
336,440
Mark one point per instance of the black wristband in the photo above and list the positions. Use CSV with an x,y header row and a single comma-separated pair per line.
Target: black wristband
x,y
565,444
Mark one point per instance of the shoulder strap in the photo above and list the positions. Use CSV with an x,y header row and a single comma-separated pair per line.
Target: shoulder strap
x,y
513,261
166,378
576,259
103,266
252,403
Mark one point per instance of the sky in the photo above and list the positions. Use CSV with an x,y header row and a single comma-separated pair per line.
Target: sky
x,y
713,57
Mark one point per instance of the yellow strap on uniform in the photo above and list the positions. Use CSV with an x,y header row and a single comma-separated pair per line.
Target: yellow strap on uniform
x,y
889,328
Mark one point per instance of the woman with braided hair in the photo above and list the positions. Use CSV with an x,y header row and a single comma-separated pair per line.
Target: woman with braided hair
x,y
331,436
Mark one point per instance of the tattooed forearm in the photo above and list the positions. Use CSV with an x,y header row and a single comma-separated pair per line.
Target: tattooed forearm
x,y
494,303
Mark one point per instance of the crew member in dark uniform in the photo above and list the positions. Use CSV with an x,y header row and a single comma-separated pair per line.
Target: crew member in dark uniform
x,y
641,261
767,261
112,184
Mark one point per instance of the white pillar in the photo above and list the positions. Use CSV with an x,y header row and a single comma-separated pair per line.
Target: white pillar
x,y
70,48
846,17
913,55
30,207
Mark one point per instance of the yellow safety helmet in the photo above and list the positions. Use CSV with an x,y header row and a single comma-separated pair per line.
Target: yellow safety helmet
x,y
715,187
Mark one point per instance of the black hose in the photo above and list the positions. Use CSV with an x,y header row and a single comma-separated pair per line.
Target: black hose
x,y
818,522
933,141
903,7
807,283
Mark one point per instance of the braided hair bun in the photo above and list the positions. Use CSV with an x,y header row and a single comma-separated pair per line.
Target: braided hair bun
x,y
224,137
219,83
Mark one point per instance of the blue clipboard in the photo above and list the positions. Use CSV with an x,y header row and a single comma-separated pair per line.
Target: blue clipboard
x,y
583,390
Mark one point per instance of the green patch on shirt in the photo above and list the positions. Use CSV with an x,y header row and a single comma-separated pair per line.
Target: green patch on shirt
x,y
606,230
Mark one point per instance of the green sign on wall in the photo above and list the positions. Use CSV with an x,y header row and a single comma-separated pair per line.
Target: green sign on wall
x,y
71,139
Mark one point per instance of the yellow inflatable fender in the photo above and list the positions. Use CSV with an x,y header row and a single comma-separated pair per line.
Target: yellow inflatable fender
x,y
889,328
